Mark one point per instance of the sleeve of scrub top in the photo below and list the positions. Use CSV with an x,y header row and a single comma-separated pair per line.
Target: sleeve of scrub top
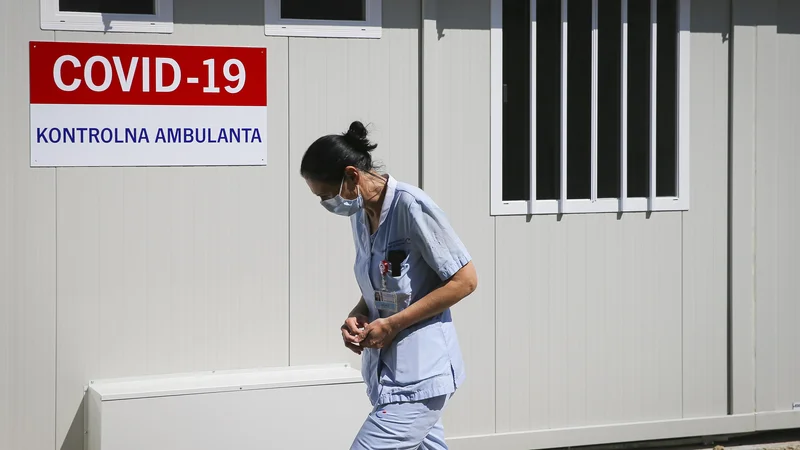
x,y
435,239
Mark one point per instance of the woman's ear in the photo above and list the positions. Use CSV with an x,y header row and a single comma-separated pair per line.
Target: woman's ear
x,y
352,174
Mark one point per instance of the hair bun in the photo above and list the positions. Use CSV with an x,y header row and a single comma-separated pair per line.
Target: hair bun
x,y
356,135
357,130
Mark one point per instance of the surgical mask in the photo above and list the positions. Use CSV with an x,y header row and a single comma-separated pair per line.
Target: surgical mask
x,y
342,206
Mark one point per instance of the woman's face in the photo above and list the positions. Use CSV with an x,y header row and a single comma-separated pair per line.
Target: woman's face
x,y
327,191
322,190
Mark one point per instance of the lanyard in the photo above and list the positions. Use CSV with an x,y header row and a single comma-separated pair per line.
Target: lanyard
x,y
382,269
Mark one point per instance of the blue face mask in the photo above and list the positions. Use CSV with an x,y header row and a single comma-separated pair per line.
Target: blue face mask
x,y
342,206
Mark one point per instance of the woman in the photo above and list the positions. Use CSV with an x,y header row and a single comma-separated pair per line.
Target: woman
x,y
411,268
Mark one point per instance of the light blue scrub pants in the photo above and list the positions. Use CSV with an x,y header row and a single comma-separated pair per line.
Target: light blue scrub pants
x,y
404,426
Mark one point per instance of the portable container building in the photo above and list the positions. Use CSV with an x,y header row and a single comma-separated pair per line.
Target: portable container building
x,y
624,173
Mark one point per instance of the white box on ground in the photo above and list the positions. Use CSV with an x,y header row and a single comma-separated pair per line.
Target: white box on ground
x,y
307,407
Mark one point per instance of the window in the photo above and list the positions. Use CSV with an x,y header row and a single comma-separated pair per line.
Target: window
x,y
144,16
323,18
589,106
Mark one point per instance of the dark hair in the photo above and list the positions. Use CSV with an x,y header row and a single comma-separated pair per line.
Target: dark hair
x,y
326,159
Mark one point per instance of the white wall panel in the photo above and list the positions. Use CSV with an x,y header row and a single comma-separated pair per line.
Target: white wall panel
x,y
743,127
27,250
333,82
174,269
777,210
592,320
456,175
767,207
705,225
6,239
6,262
788,192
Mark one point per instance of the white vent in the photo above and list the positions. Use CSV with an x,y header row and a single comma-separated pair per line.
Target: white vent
x,y
309,407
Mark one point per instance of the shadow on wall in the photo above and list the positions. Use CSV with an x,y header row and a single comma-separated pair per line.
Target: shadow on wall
x,y
788,17
403,14
459,15
396,13
784,14
712,16
74,438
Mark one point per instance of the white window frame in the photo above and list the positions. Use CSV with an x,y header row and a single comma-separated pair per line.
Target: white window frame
x,y
592,205
369,28
54,19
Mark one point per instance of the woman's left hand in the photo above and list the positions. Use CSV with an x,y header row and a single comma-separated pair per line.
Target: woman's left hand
x,y
379,334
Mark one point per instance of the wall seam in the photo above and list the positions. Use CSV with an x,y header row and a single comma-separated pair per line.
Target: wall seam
x,y
494,240
729,331
421,96
55,309
289,204
494,303
55,315
753,222
683,260
683,315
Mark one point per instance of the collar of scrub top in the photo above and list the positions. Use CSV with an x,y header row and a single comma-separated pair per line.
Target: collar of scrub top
x,y
391,186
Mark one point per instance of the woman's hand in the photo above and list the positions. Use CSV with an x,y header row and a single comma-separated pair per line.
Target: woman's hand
x,y
379,334
351,332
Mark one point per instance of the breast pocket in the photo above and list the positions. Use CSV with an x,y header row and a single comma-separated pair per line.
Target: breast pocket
x,y
398,281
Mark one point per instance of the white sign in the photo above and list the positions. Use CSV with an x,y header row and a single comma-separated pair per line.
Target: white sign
x,y
147,105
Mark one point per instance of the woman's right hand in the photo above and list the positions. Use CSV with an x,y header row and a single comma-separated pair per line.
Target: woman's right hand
x,y
351,332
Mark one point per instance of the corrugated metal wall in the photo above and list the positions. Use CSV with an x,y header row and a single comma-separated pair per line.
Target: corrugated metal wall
x,y
172,269
765,137
767,144
600,320
456,174
597,319
778,217
331,83
587,320
28,262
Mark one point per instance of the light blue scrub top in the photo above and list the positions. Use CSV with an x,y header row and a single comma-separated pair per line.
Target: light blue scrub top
x,y
424,360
